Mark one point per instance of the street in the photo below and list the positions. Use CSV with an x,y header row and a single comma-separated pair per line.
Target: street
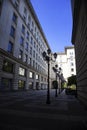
x,y
27,110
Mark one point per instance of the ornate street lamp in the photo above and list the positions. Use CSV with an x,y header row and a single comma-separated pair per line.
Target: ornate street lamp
x,y
48,58
56,70
60,79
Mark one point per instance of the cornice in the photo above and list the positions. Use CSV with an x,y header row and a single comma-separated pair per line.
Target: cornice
x,y
5,54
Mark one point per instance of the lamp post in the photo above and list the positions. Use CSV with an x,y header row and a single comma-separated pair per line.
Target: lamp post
x,y
48,58
60,79
55,70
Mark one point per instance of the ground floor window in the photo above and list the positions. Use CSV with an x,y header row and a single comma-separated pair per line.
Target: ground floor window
x,y
21,84
22,71
6,83
37,85
7,66
30,85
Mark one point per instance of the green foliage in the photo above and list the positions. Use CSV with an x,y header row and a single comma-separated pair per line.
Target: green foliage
x,y
73,87
72,80
64,85
55,84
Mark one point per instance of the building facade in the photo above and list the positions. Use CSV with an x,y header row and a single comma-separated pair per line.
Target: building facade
x,y
22,42
66,60
79,39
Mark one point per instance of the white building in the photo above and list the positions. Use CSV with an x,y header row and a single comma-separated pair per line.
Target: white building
x,y
66,61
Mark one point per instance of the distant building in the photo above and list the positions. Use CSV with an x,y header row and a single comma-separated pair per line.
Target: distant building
x,y
66,61
22,42
79,39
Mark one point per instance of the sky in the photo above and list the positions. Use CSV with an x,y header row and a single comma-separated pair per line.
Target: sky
x,y
55,17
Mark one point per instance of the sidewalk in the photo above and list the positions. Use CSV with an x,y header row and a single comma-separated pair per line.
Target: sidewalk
x,y
29,111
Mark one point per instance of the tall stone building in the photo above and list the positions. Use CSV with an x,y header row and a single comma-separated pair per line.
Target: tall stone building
x,y
79,39
22,42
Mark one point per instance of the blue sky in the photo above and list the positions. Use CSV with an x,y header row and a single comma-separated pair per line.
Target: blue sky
x,y
56,20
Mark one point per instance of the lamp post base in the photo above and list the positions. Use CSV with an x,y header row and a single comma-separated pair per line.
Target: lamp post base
x,y
56,93
48,102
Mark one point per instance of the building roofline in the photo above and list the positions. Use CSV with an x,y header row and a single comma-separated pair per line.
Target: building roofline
x,y
67,47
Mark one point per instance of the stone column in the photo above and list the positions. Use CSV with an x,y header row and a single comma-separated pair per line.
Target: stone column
x,y
27,80
39,81
16,77
34,81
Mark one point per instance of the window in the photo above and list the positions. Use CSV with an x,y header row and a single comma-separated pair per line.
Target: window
x,y
71,53
10,47
28,25
24,17
29,18
31,50
7,66
37,76
21,84
32,30
31,74
20,54
39,58
71,58
31,40
23,29
45,79
12,31
14,18
36,65
31,85
27,35
34,44
72,64
72,70
37,47
25,11
34,54
39,50
17,4
30,61
21,71
21,41
6,83
35,28
32,24
25,58
41,78
33,63
26,46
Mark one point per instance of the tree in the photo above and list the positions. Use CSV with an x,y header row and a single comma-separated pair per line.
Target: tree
x,y
72,80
